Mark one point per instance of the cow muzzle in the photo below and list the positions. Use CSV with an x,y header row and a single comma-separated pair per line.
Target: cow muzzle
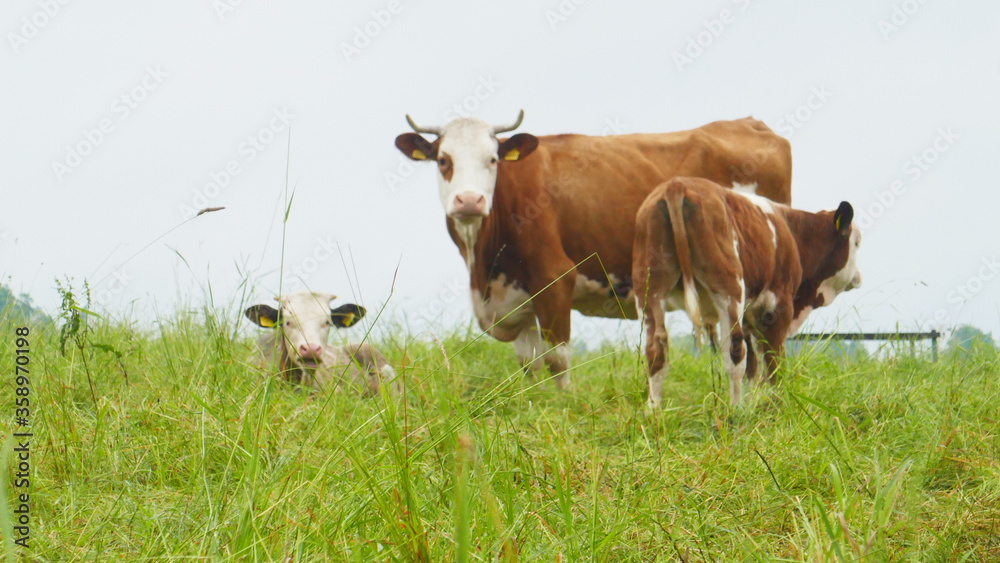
x,y
855,282
311,354
468,205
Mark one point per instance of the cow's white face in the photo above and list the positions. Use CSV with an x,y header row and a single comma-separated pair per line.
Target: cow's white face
x,y
305,320
467,163
306,323
848,277
468,155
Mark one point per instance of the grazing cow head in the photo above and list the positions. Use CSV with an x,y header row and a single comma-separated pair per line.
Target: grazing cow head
x,y
848,236
838,271
304,320
468,154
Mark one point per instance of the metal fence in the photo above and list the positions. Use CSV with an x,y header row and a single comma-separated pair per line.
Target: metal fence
x,y
910,337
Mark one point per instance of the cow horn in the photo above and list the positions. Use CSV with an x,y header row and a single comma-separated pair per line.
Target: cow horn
x,y
504,128
419,129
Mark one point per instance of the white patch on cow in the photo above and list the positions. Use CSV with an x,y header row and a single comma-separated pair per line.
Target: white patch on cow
x,y
469,232
743,295
799,320
774,232
766,302
762,203
501,313
472,147
739,279
529,347
596,298
736,369
656,388
846,278
558,359
586,287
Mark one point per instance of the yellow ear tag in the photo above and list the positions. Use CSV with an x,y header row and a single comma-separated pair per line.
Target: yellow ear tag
x,y
836,223
266,322
512,154
418,154
348,319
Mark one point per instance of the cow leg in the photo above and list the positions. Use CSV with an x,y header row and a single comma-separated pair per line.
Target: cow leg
x,y
654,274
773,340
657,348
751,343
733,346
557,359
713,338
553,306
529,346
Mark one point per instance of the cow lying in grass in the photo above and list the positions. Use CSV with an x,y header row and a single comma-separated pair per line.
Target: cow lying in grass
x,y
755,266
298,342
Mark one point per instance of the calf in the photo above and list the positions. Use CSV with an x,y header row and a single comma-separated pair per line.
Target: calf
x,y
755,266
299,343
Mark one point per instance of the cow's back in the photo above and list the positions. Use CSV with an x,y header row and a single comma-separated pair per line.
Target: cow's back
x,y
588,189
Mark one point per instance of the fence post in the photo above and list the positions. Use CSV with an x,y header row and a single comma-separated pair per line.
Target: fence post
x,y
893,337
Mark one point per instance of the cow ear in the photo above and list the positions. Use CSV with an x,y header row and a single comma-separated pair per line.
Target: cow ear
x,y
416,147
346,315
262,315
843,217
517,147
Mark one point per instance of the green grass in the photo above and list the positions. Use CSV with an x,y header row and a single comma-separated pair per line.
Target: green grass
x,y
192,452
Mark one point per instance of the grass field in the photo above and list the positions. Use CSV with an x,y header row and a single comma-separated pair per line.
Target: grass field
x,y
183,448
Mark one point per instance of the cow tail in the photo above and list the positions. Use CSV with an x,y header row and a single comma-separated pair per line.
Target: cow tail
x,y
674,215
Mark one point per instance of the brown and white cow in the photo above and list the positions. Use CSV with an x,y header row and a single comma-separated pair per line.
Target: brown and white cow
x,y
755,266
545,224
298,344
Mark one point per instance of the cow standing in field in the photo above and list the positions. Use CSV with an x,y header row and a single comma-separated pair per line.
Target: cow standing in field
x,y
298,343
545,224
757,267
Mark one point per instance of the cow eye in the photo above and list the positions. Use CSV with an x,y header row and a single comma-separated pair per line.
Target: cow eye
x,y
493,160
442,161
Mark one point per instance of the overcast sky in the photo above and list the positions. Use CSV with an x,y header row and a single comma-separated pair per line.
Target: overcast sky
x,y
121,119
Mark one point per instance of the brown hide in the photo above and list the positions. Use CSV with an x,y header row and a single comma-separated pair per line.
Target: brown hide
x,y
576,195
